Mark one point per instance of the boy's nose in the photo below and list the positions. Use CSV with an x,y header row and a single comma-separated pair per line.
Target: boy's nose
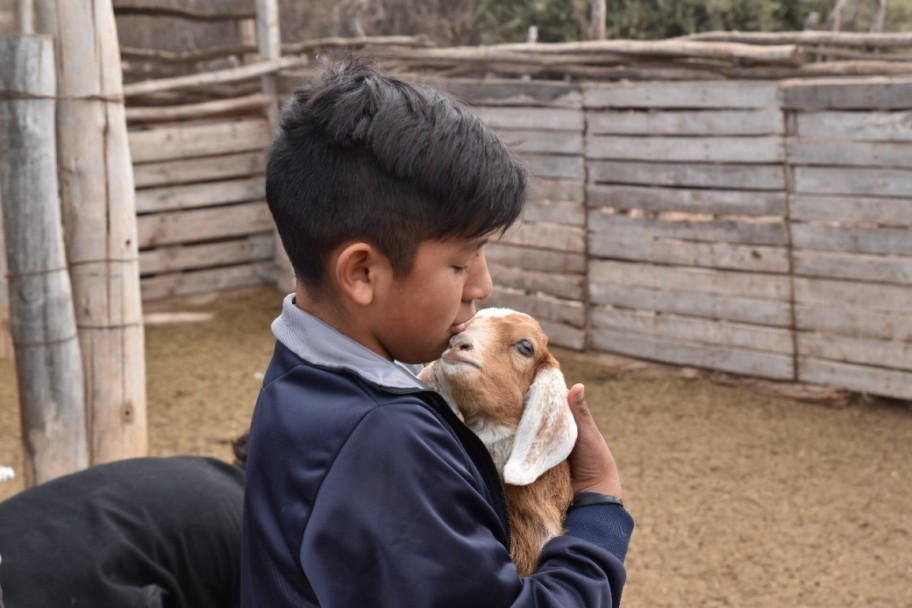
x,y
479,286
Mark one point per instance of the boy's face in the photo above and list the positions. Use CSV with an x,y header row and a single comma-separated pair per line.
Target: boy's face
x,y
433,303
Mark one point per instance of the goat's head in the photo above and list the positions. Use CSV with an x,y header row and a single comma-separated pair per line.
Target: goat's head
x,y
509,389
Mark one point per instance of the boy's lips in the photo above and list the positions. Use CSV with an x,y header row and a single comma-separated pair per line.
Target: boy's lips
x,y
458,328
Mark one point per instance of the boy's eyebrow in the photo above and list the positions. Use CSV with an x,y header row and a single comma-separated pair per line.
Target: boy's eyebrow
x,y
477,243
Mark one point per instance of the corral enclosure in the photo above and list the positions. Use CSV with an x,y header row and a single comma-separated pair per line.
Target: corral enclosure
x,y
709,206
754,227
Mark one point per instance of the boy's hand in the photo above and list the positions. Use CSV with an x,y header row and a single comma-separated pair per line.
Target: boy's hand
x,y
592,465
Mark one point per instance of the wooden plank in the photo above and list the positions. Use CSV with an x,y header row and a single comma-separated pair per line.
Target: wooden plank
x,y
542,307
547,236
862,379
500,92
747,258
725,177
568,287
203,110
215,77
873,93
176,227
608,226
894,354
722,95
548,142
829,152
182,284
853,321
712,306
856,126
852,181
565,336
825,264
714,202
752,363
169,198
556,190
847,239
205,169
677,122
531,258
713,332
757,149
568,213
690,280
186,257
807,207
869,296
544,119
556,167
189,141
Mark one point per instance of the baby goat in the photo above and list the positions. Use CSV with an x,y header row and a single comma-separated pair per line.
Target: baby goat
x,y
500,378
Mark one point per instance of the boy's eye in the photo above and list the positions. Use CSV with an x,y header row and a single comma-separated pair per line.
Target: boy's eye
x,y
460,269
525,348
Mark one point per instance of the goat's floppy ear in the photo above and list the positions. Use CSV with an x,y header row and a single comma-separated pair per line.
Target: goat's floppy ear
x,y
547,431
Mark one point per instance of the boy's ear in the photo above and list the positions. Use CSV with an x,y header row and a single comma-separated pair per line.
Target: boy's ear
x,y
356,270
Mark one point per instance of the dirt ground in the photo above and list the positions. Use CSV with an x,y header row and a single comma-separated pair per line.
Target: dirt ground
x,y
742,497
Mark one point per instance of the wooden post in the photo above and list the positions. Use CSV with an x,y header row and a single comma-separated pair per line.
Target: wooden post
x,y
99,218
42,320
598,10
269,43
270,46
246,31
6,342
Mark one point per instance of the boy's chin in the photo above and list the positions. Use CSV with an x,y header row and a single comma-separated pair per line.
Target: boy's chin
x,y
431,354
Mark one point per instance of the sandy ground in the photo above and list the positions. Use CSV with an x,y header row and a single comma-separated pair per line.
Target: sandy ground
x,y
742,497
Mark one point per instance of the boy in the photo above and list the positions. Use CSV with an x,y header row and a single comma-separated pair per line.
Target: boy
x,y
363,489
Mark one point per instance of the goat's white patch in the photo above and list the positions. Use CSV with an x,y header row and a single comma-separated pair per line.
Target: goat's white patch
x,y
495,312
498,438
547,431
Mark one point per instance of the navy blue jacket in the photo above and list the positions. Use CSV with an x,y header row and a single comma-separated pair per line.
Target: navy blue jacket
x,y
363,489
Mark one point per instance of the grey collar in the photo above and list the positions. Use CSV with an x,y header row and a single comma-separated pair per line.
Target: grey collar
x,y
316,342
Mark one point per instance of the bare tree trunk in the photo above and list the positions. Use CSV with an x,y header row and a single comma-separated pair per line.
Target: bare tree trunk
x,y
834,21
42,319
99,218
26,16
598,10
880,11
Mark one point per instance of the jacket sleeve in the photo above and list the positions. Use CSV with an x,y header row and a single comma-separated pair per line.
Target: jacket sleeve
x,y
400,520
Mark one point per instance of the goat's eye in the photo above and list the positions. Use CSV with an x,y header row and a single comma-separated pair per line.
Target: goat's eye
x,y
525,348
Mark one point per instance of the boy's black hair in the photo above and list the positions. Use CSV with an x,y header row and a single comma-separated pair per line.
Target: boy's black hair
x,y
364,156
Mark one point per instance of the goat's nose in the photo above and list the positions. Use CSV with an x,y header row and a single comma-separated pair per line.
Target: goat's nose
x,y
461,342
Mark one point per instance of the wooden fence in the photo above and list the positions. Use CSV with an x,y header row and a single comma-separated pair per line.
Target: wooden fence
x,y
759,228
849,162
756,227
202,219
688,239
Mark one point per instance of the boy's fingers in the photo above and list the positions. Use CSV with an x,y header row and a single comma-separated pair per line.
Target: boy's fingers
x,y
584,421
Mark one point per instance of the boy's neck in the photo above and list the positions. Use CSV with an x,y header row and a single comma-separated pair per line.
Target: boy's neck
x,y
332,313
